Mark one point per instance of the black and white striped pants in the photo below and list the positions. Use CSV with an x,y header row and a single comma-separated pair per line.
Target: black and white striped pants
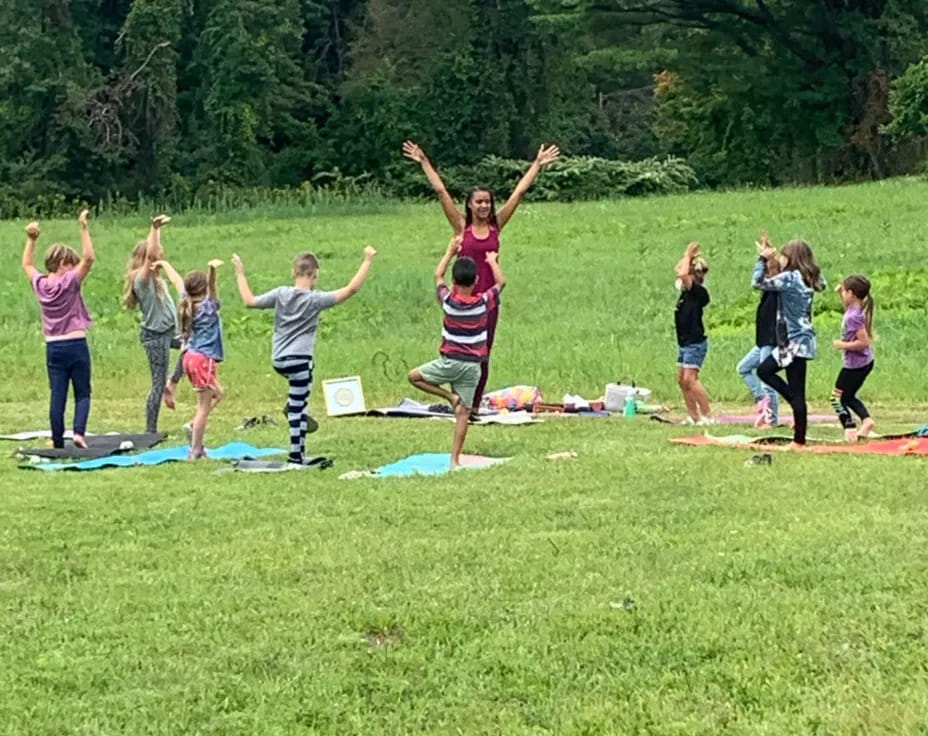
x,y
298,370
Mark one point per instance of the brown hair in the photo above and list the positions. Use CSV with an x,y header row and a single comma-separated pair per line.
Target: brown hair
x,y
305,264
60,255
195,286
859,286
468,213
799,257
137,261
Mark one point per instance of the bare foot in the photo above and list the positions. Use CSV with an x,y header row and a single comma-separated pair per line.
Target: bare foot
x,y
866,427
796,446
850,435
79,441
169,396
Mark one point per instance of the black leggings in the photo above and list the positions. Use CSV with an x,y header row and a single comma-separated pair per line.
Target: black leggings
x,y
793,389
844,397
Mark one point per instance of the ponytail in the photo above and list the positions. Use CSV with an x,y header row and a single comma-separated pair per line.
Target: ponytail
x,y
185,312
867,303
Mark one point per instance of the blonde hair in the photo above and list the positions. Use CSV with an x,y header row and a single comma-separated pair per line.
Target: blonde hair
x,y
60,255
305,264
195,286
137,261
700,268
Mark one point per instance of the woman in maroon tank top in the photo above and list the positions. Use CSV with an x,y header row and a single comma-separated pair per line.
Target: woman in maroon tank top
x,y
480,225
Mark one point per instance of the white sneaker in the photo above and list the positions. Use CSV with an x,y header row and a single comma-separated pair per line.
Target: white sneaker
x,y
188,431
707,421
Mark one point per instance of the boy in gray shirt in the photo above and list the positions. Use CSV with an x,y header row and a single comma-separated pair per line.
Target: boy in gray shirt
x,y
296,319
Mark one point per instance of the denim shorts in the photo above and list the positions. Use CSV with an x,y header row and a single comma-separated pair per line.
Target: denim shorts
x,y
693,356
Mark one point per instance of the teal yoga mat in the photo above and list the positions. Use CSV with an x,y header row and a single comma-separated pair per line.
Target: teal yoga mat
x,y
231,451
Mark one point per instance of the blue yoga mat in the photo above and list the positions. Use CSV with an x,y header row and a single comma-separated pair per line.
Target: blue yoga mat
x,y
231,451
429,463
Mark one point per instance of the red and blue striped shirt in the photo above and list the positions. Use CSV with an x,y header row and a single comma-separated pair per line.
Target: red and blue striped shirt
x,y
464,330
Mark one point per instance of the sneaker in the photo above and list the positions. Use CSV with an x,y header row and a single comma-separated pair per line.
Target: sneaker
x,y
689,421
188,431
707,422
762,408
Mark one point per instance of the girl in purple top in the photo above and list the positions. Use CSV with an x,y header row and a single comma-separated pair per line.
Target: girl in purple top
x,y
856,342
65,320
479,227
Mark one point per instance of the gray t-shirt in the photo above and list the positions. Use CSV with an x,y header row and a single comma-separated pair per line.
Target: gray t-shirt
x,y
296,318
158,312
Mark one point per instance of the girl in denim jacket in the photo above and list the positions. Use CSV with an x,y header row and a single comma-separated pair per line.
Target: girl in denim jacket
x,y
800,277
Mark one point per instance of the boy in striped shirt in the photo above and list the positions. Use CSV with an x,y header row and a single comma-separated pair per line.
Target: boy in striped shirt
x,y
463,339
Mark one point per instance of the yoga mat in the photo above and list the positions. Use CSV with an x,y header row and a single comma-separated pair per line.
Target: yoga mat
x,y
40,434
231,451
786,420
271,466
430,463
904,446
97,446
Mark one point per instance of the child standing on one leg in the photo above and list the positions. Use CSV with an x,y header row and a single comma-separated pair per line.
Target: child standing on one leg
x,y
201,328
691,334
766,404
796,284
297,310
856,342
65,321
464,338
145,288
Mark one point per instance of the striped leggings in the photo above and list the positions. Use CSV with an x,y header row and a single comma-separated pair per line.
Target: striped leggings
x,y
298,370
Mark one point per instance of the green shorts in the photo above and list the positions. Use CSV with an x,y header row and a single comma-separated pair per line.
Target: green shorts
x,y
462,376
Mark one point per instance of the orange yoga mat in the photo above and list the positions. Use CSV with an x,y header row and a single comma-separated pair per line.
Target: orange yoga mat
x,y
901,446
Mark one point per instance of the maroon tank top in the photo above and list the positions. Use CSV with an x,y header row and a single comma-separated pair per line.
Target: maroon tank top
x,y
477,248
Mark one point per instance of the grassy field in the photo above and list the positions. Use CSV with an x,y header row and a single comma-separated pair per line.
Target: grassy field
x,y
640,588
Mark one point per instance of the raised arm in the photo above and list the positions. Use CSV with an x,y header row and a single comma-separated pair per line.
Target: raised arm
x,y
154,252
32,235
354,286
544,157
498,277
172,275
87,254
455,218
212,287
454,247
684,267
244,289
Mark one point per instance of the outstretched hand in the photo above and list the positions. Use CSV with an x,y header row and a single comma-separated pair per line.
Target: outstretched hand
x,y
548,154
413,152
83,217
33,231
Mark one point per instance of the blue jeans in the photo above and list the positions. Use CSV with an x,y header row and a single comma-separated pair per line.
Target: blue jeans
x,y
747,370
68,363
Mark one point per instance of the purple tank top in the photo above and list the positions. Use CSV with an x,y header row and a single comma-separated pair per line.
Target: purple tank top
x,y
477,248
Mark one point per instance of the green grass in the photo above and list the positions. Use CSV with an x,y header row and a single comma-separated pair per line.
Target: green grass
x,y
789,599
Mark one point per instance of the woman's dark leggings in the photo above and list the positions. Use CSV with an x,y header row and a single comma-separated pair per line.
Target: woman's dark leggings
x,y
844,397
68,363
793,389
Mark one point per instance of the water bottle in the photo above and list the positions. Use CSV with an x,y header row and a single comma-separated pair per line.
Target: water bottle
x,y
630,408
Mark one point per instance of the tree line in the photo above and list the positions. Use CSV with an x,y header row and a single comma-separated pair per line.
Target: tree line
x,y
176,99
